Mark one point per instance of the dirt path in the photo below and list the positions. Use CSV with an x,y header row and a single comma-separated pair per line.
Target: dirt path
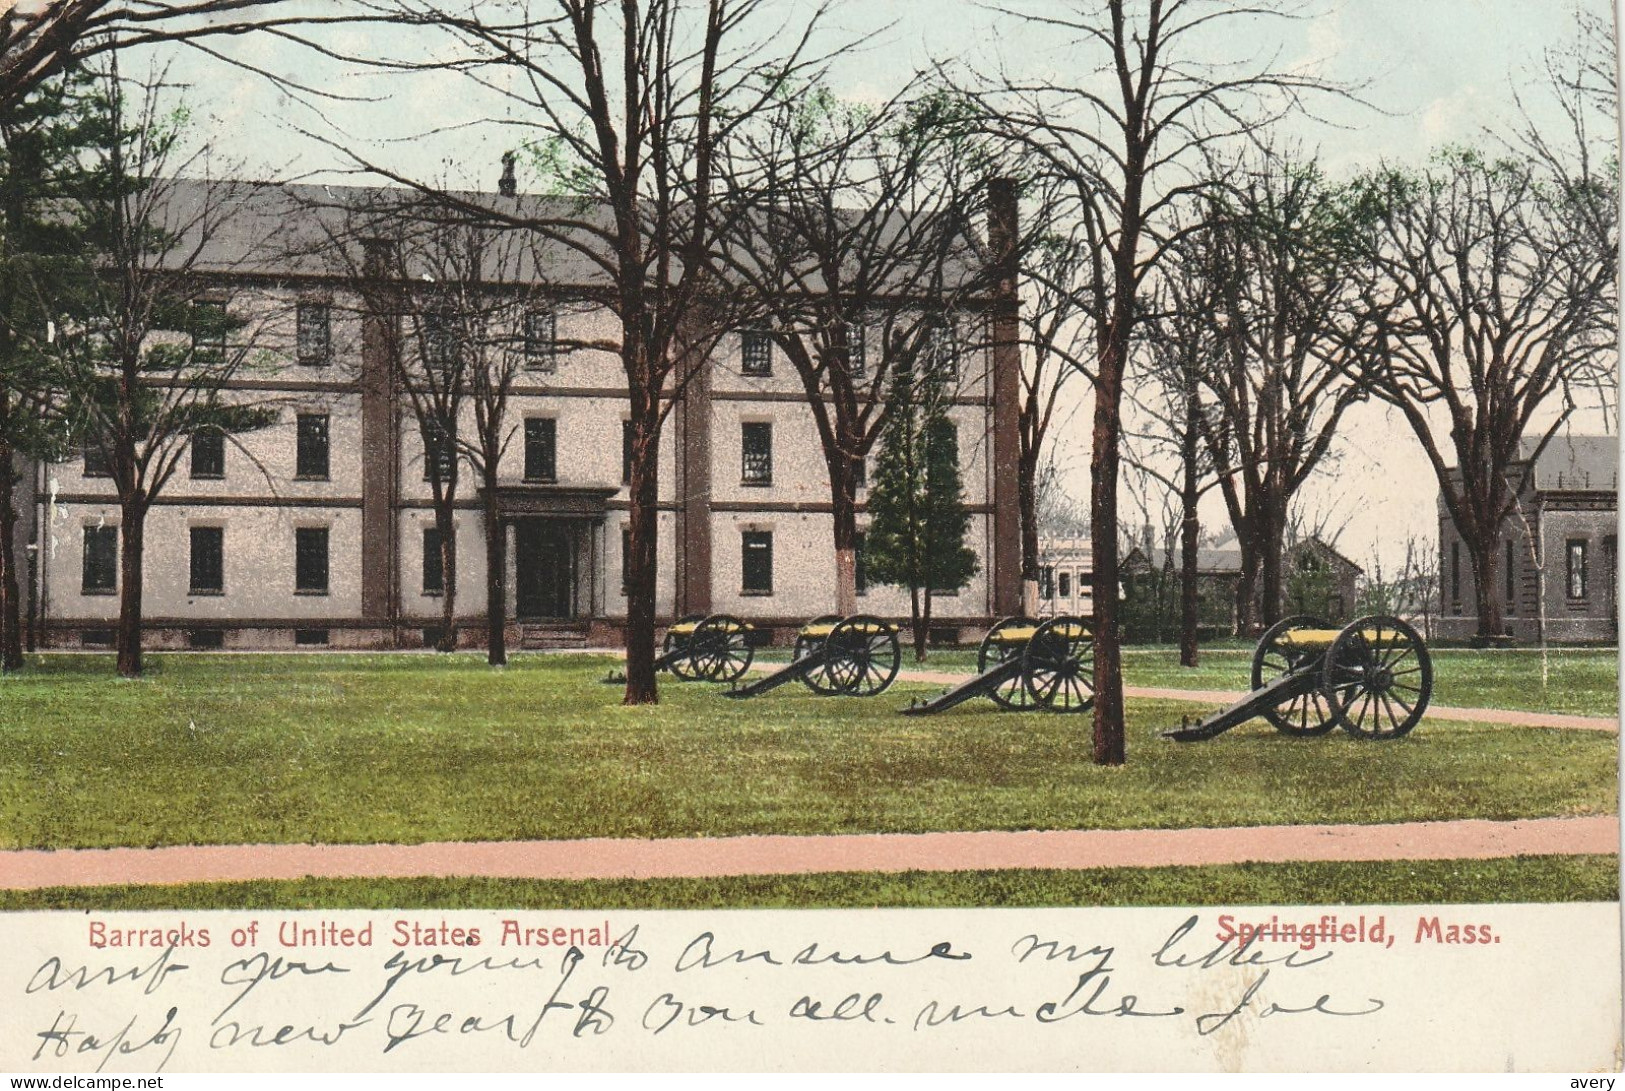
x,y
1218,697
780,855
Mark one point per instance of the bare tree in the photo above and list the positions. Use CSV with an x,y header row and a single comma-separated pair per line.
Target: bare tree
x,y
1127,132
1491,303
42,38
149,358
1281,246
636,99
857,255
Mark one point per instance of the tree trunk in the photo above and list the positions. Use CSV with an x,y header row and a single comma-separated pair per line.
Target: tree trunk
x,y
917,621
496,582
922,639
1247,580
1108,739
844,507
132,535
1272,543
643,530
1190,530
446,526
1486,579
11,647
1027,500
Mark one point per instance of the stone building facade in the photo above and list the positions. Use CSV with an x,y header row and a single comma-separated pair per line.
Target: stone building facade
x,y
318,530
1559,549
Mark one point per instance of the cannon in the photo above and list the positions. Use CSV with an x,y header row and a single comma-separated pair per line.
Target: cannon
x,y
714,648
1025,664
1373,678
837,657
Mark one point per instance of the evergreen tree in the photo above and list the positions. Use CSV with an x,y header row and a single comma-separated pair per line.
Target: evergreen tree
x,y
42,272
916,535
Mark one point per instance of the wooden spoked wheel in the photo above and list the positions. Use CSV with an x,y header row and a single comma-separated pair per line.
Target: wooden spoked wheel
x,y
1012,694
1058,666
682,666
817,679
1304,716
722,648
1378,678
863,655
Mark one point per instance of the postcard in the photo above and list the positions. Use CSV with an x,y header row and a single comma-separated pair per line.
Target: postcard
x,y
729,535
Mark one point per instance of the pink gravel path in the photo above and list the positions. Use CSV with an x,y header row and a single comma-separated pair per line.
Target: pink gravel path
x,y
1218,697
778,855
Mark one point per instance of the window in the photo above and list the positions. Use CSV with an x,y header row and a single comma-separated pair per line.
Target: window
x,y
439,340
434,571
100,575
205,639
310,638
626,551
208,561
860,472
314,333
208,454
96,464
1046,582
756,549
756,453
209,330
940,356
860,573
1064,585
439,452
626,452
755,353
312,454
541,340
1511,578
1577,567
541,449
857,350
310,560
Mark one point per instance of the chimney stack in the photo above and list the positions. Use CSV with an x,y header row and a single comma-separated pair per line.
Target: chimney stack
x,y
508,186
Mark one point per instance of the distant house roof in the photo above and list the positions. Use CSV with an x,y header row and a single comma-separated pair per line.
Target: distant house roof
x,y
1227,562
1575,463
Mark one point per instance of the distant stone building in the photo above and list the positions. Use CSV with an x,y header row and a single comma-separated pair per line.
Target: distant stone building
x,y
1558,549
1319,581
1065,577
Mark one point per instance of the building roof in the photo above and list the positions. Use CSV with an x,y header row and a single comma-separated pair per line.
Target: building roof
x,y
276,229
1575,463
1227,562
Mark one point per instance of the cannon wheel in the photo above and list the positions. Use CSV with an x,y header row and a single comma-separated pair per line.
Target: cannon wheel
x,y
682,668
1378,678
863,656
1305,716
722,648
1058,666
1013,694
817,680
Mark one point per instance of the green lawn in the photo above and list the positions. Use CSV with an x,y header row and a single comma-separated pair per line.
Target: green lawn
x,y
332,748
1584,681
1526,878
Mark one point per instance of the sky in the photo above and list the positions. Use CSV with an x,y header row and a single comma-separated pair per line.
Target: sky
x,y
1428,73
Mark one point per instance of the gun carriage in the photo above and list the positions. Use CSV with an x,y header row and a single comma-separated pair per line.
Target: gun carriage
x,y
837,657
1026,664
1373,678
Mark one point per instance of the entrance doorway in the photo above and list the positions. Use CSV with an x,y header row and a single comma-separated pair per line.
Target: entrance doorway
x,y
544,569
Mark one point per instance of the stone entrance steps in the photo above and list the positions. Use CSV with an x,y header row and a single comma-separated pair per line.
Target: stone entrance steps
x,y
550,635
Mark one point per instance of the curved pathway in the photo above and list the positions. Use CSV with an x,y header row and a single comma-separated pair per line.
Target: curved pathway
x,y
604,858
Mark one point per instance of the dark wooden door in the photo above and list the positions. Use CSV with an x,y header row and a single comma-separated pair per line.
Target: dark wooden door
x,y
544,566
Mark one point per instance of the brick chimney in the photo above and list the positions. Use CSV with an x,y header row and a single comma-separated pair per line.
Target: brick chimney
x,y
508,186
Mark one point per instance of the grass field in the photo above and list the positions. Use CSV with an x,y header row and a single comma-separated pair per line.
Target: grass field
x,y
1583,681
1531,878
332,748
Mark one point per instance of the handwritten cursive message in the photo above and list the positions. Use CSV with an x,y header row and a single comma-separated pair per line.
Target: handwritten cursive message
x,y
146,993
